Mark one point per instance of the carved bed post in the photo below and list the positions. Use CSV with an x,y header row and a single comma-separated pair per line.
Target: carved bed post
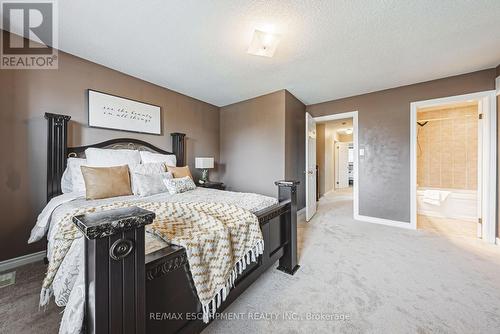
x,y
57,146
115,282
287,190
178,147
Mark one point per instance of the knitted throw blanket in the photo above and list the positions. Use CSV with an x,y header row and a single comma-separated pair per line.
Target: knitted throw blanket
x,y
220,241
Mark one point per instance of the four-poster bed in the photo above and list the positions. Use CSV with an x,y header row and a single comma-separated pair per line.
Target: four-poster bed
x,y
127,289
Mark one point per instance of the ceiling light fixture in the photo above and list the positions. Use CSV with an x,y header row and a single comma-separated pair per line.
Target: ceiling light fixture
x,y
348,131
263,43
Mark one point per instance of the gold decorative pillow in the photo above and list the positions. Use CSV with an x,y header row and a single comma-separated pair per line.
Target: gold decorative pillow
x,y
106,182
179,172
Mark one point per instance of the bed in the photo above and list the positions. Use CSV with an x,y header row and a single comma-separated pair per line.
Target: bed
x,y
149,286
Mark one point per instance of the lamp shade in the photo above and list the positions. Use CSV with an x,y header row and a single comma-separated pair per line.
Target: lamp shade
x,y
204,163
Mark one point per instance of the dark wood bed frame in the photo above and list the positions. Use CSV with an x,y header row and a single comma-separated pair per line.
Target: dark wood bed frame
x,y
130,292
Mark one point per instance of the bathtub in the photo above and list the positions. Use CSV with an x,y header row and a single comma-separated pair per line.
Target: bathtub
x,y
460,204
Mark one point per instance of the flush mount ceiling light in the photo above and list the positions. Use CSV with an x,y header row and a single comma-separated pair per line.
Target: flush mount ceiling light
x,y
348,131
263,43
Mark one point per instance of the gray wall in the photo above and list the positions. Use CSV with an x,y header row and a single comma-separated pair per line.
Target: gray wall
x,y
295,141
24,98
262,141
252,137
384,133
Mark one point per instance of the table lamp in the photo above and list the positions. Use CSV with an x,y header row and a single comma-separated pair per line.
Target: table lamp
x,y
204,164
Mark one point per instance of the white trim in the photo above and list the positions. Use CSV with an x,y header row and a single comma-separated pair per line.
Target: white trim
x,y
480,171
301,211
490,178
382,221
21,261
490,157
497,85
498,241
354,116
310,172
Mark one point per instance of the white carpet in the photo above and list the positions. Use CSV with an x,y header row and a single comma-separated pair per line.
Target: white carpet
x,y
383,279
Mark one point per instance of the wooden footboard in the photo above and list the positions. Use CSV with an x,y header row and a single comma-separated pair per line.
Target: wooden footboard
x,y
128,292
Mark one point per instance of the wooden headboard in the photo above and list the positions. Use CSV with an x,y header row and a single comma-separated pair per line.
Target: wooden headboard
x,y
58,151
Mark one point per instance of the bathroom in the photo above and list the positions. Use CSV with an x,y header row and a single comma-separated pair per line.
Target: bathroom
x,y
448,139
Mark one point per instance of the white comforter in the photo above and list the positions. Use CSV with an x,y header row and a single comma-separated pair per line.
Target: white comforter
x,y
68,286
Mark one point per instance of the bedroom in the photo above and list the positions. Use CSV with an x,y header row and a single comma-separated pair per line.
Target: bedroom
x,y
247,114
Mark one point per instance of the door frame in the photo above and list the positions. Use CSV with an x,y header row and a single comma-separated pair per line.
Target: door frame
x,y
489,158
355,132
310,212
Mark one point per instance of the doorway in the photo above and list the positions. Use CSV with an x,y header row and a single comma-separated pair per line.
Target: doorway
x,y
334,164
334,156
453,165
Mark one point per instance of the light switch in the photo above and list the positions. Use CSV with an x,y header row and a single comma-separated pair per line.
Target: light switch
x,y
361,152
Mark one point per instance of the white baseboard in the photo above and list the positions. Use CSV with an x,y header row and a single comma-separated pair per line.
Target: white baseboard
x,y
383,221
21,261
301,211
328,192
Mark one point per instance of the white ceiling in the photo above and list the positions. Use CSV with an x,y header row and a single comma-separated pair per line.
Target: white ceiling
x,y
338,125
329,49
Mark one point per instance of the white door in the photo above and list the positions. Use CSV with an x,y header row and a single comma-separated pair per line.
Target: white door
x,y
341,165
480,167
310,167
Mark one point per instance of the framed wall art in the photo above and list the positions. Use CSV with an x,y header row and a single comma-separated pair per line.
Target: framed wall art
x,y
114,112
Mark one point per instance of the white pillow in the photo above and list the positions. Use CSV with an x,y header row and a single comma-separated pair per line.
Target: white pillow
x,y
99,157
72,178
145,169
168,159
148,168
66,184
179,185
151,184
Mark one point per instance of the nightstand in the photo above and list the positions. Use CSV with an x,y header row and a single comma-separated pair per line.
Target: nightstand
x,y
212,185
